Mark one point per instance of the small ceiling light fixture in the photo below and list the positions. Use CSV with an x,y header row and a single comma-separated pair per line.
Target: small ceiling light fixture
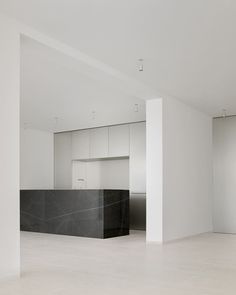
x,y
224,113
56,120
93,115
140,65
55,123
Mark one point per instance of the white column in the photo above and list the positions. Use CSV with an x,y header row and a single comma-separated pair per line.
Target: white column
x,y
154,158
179,170
9,148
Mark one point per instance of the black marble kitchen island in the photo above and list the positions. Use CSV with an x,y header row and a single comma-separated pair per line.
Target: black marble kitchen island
x,y
86,213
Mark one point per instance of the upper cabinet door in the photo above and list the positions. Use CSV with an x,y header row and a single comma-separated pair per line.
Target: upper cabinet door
x,y
119,141
80,144
99,143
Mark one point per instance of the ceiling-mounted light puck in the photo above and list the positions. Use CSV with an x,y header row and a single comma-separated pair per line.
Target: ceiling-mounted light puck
x,y
140,65
93,115
136,108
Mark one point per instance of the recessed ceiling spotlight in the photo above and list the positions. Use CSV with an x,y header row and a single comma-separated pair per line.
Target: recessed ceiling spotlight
x,y
140,65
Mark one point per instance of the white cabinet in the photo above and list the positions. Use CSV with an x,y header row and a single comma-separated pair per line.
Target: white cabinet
x,y
119,141
138,157
99,143
62,161
79,175
80,144
127,140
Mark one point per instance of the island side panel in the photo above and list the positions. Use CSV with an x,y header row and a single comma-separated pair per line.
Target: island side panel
x,y
116,213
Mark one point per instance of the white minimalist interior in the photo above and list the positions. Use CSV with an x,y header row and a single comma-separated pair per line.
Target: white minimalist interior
x,y
95,153
135,97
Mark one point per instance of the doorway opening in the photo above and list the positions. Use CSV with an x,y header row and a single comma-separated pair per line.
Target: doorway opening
x,y
79,131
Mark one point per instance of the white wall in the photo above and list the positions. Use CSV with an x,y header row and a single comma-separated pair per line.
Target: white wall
x,y
182,183
154,169
103,174
224,147
187,203
36,159
9,148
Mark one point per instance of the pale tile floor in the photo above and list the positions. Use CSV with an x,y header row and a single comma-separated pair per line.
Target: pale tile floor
x,y
53,264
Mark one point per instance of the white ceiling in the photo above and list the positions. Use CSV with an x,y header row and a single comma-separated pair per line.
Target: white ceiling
x,y
57,94
188,46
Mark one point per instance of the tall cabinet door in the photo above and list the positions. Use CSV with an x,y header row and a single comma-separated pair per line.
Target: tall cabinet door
x,y
62,161
138,158
79,175
99,143
119,141
80,144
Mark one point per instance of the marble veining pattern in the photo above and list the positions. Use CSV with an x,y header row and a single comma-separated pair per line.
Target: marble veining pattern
x,y
89,213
